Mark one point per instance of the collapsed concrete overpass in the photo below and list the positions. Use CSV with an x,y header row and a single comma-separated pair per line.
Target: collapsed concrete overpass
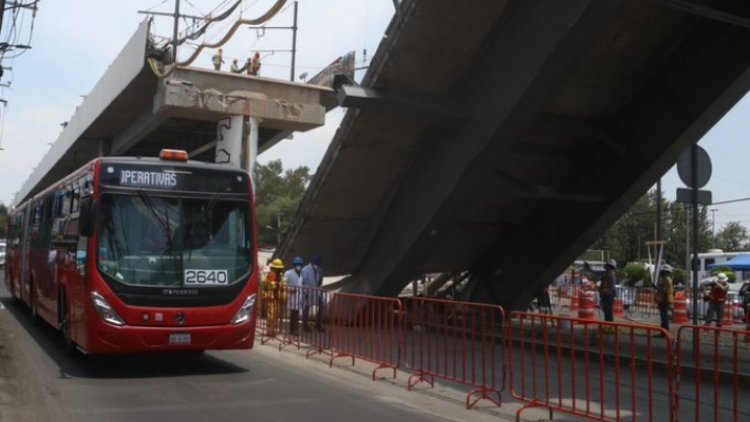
x,y
504,137
134,110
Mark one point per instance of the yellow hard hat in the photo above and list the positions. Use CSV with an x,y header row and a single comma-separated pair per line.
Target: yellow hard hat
x,y
277,264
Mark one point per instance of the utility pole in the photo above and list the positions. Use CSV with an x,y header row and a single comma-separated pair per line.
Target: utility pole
x,y
713,224
278,227
176,17
174,32
294,40
658,210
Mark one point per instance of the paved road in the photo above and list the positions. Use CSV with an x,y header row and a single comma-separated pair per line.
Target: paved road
x,y
38,382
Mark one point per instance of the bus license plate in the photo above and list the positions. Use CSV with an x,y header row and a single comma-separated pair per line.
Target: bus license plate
x,y
179,339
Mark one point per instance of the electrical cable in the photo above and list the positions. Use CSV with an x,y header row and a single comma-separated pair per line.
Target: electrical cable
x,y
261,19
209,21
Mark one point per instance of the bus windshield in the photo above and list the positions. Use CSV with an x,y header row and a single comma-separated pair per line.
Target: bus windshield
x,y
148,240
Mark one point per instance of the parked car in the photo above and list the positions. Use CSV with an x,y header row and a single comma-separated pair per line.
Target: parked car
x,y
2,254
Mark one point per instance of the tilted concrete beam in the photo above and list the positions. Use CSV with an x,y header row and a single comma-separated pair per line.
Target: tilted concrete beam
x,y
184,100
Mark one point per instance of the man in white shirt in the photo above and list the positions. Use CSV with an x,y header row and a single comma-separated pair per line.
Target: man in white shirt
x,y
293,280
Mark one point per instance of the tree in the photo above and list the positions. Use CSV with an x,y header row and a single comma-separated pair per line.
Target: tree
x,y
277,196
733,237
626,239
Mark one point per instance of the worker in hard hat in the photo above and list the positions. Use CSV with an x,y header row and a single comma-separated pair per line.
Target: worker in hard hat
x,y
607,290
293,283
664,296
273,290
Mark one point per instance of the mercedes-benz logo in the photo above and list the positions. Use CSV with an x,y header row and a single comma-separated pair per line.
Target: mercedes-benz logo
x,y
179,318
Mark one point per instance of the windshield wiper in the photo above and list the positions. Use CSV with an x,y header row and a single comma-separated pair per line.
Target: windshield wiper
x,y
164,223
194,226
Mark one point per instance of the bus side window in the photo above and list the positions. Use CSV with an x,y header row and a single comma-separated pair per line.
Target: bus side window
x,y
75,200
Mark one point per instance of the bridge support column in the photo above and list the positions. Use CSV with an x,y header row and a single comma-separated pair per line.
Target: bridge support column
x,y
229,140
251,158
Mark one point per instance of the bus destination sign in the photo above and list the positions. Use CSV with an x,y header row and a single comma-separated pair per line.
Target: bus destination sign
x,y
154,179
172,178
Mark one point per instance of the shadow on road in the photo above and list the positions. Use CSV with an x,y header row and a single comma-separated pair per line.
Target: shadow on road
x,y
142,365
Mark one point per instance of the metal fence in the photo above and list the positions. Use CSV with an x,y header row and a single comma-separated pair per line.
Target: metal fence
x,y
584,367
591,369
712,360
460,342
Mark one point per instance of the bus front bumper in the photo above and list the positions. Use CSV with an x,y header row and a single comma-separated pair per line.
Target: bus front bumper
x,y
106,338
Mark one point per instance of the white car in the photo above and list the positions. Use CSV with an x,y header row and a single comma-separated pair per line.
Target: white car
x,y
2,254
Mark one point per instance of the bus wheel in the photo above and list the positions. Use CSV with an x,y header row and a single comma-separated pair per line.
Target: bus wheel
x,y
32,303
64,323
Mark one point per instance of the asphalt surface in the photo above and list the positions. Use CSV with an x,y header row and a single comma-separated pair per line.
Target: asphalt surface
x,y
39,382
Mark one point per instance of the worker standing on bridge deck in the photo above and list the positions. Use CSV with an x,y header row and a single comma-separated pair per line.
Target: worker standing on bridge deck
x,y
273,290
607,290
218,59
664,296
253,67
235,68
312,277
293,281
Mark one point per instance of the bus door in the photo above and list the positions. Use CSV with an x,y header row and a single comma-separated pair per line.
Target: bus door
x,y
23,251
46,258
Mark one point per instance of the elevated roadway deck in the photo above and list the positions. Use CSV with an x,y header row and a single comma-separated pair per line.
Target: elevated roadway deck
x,y
132,111
505,137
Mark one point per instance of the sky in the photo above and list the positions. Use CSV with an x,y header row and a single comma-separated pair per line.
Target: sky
x,y
74,41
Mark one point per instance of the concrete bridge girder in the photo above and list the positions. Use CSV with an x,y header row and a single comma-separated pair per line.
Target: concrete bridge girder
x,y
606,98
428,201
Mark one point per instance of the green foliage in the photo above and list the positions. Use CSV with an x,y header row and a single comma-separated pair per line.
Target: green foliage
x,y
626,239
733,237
678,276
277,196
636,272
726,270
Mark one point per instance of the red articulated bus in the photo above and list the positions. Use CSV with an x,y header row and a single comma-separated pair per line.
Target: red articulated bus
x,y
134,254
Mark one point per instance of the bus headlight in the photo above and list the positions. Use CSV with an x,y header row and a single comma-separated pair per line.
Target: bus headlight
x,y
105,310
245,311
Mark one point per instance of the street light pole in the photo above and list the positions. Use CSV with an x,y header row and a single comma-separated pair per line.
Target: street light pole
x,y
278,227
713,223
175,31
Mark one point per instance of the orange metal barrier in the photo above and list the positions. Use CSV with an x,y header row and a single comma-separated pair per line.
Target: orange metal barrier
x,y
566,298
456,341
639,302
306,319
592,369
294,315
715,362
367,328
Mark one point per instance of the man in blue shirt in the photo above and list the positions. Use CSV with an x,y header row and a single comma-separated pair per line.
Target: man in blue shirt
x,y
312,276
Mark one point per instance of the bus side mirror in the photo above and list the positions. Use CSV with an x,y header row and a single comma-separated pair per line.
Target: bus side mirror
x,y
86,217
